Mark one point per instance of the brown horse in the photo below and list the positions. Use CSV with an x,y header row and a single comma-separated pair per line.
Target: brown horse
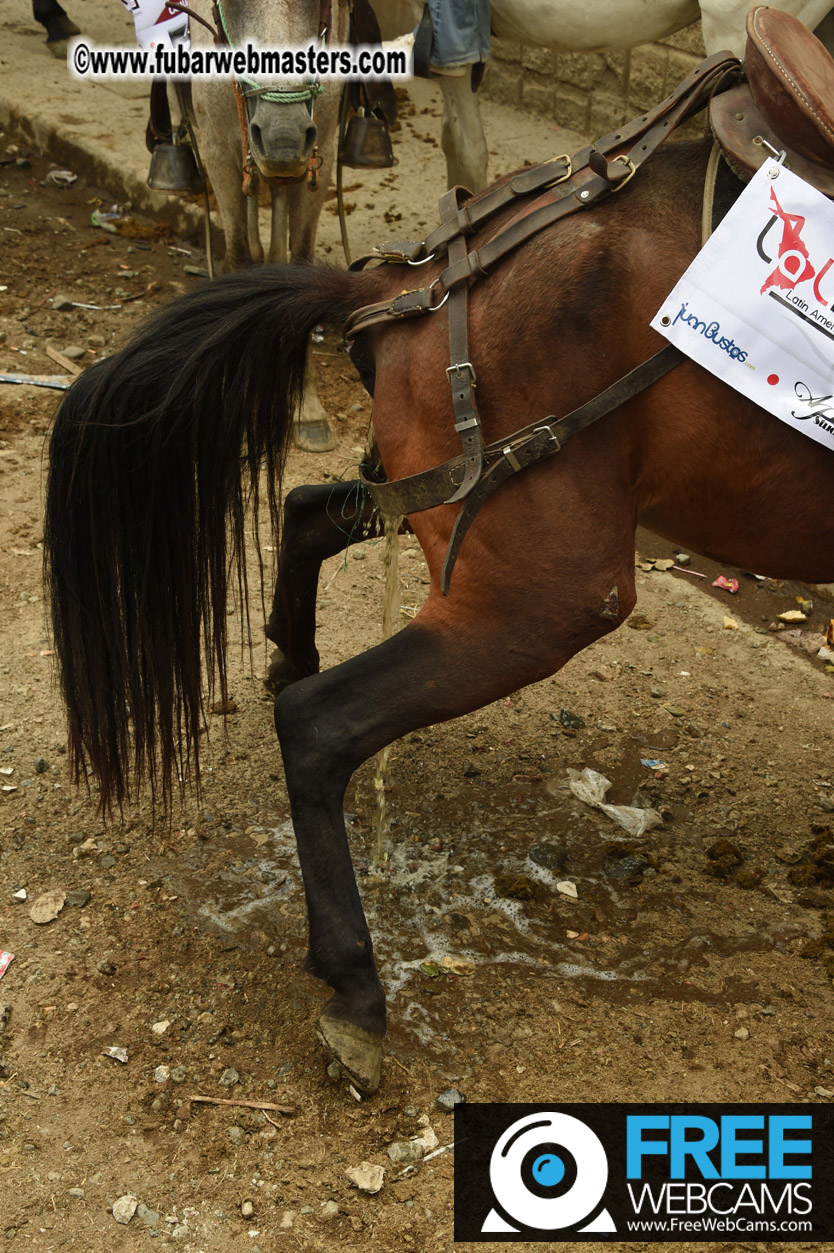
x,y
146,508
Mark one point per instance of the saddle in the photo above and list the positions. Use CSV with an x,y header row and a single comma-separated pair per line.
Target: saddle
x,y
787,102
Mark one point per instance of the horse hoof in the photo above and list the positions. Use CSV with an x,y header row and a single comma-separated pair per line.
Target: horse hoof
x,y
276,678
315,435
358,1052
282,673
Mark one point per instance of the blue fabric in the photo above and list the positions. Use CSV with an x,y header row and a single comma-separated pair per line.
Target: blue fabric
x,y
460,31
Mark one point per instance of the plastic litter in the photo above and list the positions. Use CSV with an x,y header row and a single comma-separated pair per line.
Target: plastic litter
x,y
6,960
105,220
76,304
591,788
61,178
38,380
727,585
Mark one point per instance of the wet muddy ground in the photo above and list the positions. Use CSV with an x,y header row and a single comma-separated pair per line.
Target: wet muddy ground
x,y
693,963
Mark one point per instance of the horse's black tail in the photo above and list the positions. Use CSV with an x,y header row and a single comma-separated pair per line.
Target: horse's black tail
x,y
155,455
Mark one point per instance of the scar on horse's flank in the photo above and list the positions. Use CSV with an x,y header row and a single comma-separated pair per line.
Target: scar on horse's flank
x,y
610,607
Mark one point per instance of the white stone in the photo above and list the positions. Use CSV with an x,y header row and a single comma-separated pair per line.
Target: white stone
x,y
366,1177
125,1208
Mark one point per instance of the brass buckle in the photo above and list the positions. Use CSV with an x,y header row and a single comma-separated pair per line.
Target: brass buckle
x,y
568,160
632,170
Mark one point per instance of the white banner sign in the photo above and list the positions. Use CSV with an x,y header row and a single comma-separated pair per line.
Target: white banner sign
x,y
756,306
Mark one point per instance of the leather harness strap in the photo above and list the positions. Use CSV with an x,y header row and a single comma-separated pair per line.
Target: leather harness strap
x,y
505,457
573,184
578,187
461,372
544,439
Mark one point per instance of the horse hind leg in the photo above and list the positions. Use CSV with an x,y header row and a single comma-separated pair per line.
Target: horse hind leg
x,y
457,656
319,522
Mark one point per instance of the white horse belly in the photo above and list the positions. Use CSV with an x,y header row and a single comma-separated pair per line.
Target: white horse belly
x,y
566,26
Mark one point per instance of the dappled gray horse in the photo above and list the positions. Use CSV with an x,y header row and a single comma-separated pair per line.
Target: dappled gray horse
x,y
289,125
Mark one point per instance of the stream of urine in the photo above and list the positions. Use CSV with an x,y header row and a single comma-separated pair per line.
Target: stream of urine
x,y
390,619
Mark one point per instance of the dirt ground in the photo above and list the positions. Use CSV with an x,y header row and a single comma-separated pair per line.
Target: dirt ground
x,y
694,964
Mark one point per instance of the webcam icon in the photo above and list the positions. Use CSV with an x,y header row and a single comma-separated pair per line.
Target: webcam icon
x,y
548,1172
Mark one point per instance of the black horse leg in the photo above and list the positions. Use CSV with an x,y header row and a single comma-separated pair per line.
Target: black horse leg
x,y
53,16
319,521
440,666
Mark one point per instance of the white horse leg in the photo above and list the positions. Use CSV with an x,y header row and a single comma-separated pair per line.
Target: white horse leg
x,y
218,134
226,181
253,229
279,253
312,431
462,134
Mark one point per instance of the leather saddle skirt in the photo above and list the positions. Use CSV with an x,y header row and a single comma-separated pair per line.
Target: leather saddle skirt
x,y
787,102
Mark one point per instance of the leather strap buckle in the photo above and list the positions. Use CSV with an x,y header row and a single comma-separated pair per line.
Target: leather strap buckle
x,y
458,369
631,170
547,430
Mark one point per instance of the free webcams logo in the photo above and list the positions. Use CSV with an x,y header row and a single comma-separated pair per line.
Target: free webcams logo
x,y
656,1173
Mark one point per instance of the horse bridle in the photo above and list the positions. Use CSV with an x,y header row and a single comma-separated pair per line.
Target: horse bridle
x,y
245,88
562,186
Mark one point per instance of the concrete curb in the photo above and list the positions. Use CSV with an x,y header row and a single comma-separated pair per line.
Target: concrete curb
x,y
107,170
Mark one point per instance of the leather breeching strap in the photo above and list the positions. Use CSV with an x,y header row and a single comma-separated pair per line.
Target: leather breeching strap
x,y
561,186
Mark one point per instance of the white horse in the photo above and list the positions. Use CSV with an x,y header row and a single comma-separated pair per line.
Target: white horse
x,y
566,26
285,135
